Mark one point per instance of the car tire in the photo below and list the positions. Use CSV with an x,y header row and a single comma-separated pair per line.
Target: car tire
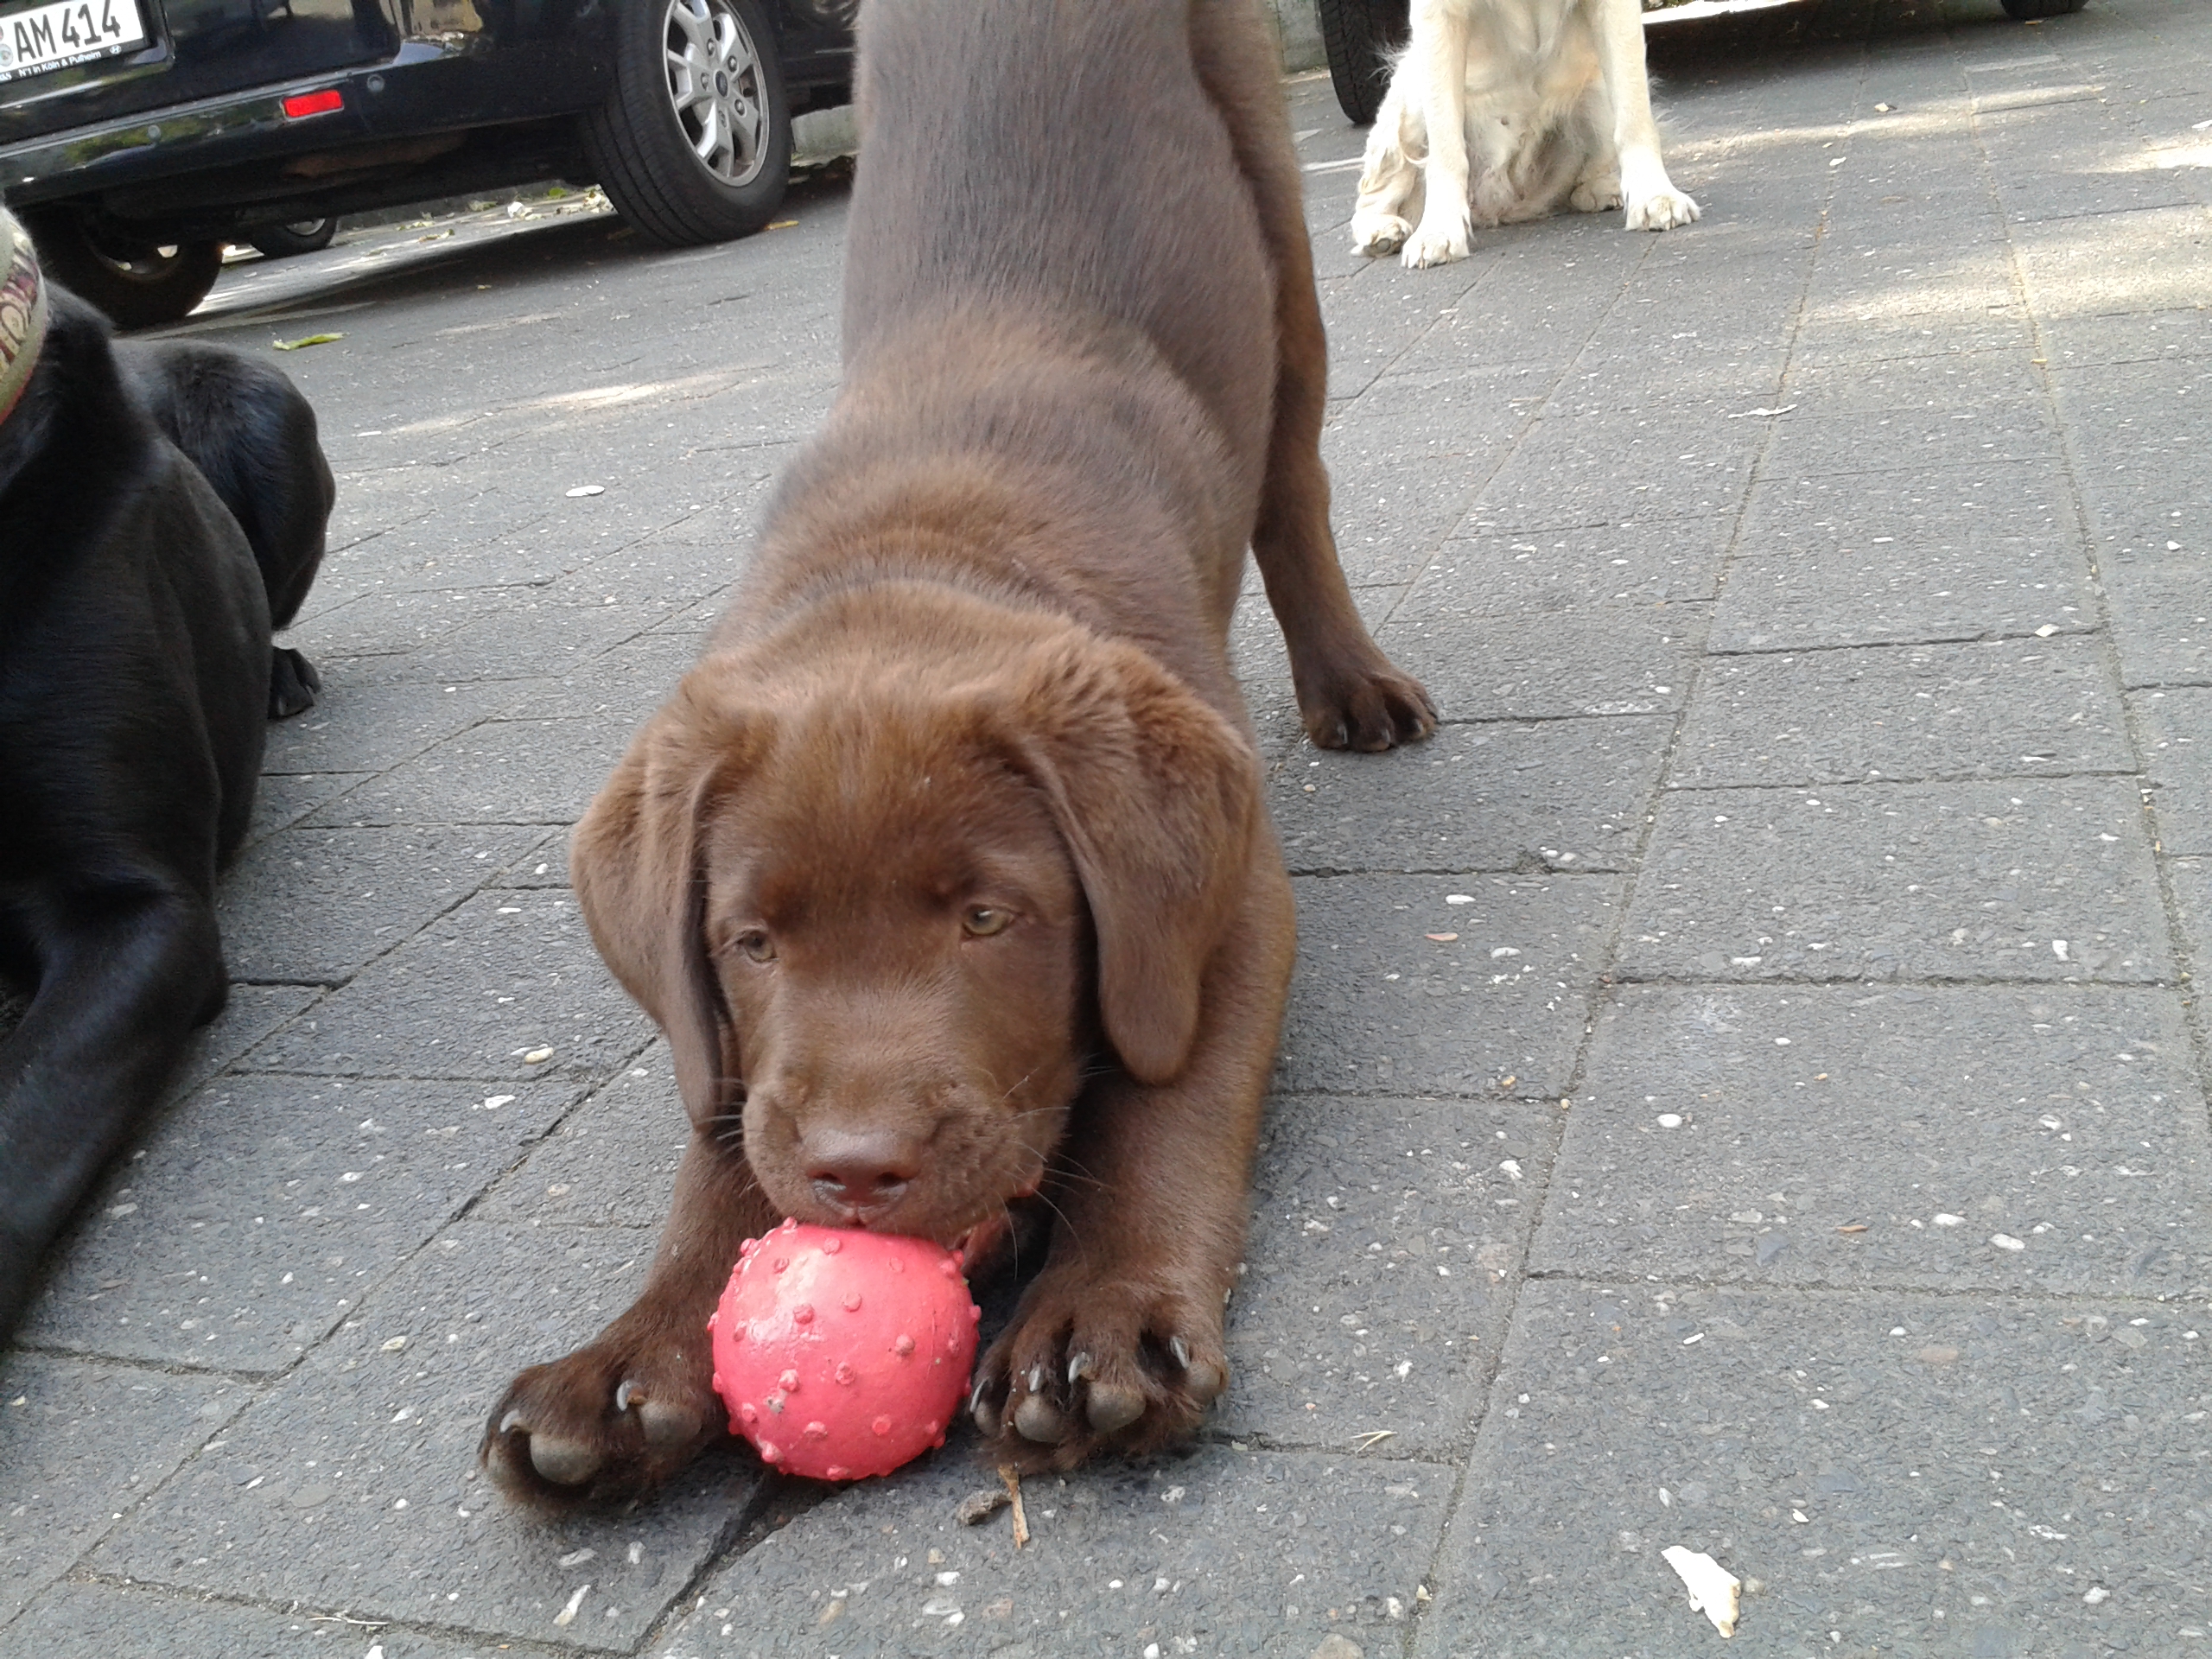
x,y
137,287
1355,34
301,236
694,142
2028,11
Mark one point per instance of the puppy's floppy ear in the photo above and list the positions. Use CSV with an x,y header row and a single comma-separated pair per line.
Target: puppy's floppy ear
x,y
636,863
1155,794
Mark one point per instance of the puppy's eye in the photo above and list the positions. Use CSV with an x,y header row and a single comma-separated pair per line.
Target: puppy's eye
x,y
757,945
983,920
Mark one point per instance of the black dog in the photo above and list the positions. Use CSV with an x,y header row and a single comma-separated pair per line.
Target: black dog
x,y
161,507
252,436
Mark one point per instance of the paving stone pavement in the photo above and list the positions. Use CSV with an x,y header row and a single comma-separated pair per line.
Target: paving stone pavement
x,y
1745,1086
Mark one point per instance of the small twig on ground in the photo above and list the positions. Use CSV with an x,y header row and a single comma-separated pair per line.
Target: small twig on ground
x,y
1012,1478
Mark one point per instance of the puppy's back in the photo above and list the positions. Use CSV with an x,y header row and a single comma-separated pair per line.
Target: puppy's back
x,y
1058,156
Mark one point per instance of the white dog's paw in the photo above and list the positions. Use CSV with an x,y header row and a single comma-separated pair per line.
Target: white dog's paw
x,y
1378,233
1599,195
1435,245
1662,210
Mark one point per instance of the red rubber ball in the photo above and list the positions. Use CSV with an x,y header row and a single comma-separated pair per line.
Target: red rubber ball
x,y
843,1354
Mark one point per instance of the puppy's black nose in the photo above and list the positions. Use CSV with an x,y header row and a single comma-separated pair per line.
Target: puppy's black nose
x,y
862,1171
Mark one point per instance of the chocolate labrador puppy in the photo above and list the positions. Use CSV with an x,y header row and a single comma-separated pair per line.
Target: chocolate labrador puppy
x,y
137,676
945,871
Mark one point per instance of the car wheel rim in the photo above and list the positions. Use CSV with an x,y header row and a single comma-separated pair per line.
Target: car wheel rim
x,y
716,86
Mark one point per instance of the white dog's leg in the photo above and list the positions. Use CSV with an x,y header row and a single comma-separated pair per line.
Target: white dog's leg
x,y
1654,204
1389,176
1599,186
1438,61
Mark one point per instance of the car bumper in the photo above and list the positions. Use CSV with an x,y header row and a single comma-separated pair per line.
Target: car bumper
x,y
209,149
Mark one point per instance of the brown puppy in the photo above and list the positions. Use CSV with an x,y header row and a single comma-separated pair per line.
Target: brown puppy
x,y
945,871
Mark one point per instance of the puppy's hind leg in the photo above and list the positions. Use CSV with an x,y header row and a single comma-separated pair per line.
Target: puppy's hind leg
x,y
1349,693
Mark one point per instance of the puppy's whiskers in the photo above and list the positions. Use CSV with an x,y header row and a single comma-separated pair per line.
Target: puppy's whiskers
x,y
1066,1220
1069,1171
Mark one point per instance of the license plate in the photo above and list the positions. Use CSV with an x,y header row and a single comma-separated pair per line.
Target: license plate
x,y
69,31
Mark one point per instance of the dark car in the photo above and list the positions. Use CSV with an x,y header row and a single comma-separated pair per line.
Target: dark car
x,y
138,137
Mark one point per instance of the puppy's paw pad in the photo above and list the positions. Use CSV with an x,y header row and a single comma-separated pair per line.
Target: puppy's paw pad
x,y
604,1423
1662,210
1379,233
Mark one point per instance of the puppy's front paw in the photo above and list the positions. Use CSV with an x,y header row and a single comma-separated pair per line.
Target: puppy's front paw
x,y
1091,1365
1661,210
1360,700
1378,233
612,1419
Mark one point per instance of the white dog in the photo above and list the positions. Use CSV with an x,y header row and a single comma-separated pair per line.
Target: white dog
x,y
1506,110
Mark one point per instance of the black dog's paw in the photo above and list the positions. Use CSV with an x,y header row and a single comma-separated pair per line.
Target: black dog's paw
x,y
292,683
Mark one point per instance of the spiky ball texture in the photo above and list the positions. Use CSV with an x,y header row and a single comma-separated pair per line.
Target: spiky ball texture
x,y
840,1353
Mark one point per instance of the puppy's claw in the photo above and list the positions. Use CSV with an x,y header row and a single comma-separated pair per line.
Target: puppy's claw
x,y
1114,1406
624,1395
1034,1419
1181,1350
511,1422
1206,1380
1080,1366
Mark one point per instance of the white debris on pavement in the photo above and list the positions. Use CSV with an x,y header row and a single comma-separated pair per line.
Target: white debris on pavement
x,y
1713,1587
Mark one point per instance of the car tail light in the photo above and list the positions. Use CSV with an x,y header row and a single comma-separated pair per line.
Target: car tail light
x,y
319,103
